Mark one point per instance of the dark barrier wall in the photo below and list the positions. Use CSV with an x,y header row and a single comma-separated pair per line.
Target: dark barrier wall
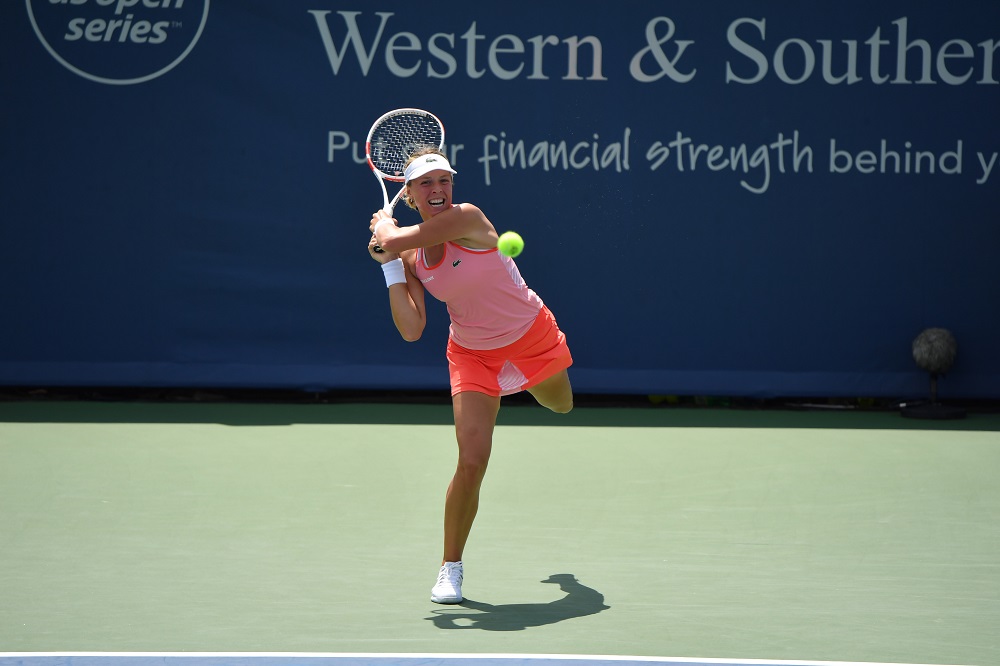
x,y
742,198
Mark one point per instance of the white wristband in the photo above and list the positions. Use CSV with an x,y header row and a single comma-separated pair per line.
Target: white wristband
x,y
394,272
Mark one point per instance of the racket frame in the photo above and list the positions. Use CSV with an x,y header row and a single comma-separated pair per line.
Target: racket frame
x,y
382,176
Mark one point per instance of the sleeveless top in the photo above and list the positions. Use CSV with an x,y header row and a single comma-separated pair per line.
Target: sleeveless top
x,y
489,303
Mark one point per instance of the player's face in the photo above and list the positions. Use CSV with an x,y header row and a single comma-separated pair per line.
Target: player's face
x,y
432,192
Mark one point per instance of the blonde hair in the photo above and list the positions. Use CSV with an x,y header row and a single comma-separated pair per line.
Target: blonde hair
x,y
420,152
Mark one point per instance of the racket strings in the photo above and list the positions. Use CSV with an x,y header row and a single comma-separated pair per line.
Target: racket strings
x,y
398,137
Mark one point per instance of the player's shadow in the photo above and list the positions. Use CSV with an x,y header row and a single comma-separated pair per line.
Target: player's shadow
x,y
579,601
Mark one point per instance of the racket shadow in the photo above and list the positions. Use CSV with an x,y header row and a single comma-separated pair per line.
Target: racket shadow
x,y
580,601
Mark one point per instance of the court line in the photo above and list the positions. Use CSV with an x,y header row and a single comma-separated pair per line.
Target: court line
x,y
444,658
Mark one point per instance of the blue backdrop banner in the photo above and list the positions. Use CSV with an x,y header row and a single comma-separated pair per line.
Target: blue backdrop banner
x,y
746,198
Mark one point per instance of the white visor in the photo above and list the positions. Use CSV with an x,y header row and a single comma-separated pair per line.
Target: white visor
x,y
425,164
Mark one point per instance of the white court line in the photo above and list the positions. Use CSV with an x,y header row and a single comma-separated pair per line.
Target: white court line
x,y
459,656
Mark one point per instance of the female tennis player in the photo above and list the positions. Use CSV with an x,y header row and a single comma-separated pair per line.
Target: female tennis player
x,y
502,337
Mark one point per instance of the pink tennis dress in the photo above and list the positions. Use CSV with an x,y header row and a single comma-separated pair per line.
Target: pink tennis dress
x,y
502,337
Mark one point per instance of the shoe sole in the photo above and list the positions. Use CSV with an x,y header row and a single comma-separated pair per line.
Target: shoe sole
x,y
446,600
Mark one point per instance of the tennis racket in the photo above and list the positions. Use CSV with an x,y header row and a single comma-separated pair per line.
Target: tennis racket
x,y
392,139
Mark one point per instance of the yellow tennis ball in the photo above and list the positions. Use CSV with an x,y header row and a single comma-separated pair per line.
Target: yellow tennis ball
x,y
510,243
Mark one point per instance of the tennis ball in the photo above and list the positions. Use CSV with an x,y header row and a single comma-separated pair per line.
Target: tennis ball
x,y
510,243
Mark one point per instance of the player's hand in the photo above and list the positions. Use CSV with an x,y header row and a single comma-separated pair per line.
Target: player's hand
x,y
381,215
380,257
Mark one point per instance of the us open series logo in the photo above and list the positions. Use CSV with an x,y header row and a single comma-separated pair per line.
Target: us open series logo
x,y
118,42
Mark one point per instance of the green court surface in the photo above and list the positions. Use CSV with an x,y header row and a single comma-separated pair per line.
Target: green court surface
x,y
772,535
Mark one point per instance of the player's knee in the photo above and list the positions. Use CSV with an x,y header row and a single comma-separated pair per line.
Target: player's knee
x,y
562,407
472,468
473,455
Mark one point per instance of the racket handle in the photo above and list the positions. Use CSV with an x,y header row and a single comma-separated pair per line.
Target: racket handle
x,y
388,211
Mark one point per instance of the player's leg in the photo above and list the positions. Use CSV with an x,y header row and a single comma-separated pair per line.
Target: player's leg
x,y
475,419
556,392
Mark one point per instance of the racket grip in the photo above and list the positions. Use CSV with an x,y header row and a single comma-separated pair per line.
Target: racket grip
x,y
388,211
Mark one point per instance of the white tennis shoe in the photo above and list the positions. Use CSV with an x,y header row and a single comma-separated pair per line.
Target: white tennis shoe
x,y
448,589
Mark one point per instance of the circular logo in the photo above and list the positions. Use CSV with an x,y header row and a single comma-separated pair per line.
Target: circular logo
x,y
118,42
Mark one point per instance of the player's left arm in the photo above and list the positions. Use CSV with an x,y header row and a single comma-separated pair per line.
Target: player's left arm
x,y
463,223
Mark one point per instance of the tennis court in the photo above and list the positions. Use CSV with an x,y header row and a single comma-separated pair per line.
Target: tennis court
x,y
306,533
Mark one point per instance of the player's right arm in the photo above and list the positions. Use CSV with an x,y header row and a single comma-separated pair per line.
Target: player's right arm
x,y
406,300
